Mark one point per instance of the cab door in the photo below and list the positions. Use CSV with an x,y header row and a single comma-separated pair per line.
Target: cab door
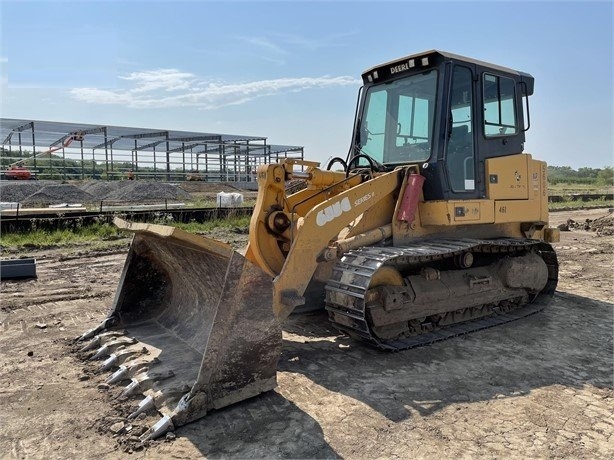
x,y
460,153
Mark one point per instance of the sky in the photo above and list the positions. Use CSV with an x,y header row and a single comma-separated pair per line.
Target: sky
x,y
290,71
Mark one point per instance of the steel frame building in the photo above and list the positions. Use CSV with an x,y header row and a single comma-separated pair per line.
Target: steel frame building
x,y
85,151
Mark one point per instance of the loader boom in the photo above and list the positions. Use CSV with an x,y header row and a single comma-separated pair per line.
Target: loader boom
x,y
308,235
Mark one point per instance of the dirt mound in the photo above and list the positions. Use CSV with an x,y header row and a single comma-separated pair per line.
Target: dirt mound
x,y
17,191
143,191
602,225
100,189
56,194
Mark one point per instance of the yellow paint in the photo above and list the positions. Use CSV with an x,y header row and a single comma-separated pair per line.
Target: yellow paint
x,y
333,207
517,211
437,213
507,177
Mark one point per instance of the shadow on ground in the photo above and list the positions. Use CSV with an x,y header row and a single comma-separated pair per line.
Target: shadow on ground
x,y
569,344
268,426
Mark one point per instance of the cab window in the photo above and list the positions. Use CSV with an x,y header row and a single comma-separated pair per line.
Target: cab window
x,y
500,117
397,122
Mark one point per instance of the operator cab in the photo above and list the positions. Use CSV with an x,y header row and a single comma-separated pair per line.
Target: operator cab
x,y
444,112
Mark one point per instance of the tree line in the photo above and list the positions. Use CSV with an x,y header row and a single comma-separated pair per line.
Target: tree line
x,y
587,176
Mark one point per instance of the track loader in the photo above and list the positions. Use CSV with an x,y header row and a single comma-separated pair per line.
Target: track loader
x,y
434,225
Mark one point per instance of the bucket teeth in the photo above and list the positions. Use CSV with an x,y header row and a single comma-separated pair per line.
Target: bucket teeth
x,y
137,384
101,339
112,345
100,353
144,406
145,380
107,322
108,363
121,341
162,426
120,356
117,376
94,343
130,368
132,388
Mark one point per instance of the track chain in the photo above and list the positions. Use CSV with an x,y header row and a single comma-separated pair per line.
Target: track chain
x,y
352,276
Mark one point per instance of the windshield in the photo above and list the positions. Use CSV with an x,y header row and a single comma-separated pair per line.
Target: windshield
x,y
396,125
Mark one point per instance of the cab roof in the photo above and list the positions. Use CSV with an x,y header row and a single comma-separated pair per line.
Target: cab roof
x,y
415,62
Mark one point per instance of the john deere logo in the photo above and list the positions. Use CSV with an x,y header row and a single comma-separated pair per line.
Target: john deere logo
x,y
331,212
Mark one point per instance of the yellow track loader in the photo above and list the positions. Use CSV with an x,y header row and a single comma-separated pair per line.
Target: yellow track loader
x,y
434,225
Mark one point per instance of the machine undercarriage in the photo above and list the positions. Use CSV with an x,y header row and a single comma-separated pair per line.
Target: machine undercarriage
x,y
436,294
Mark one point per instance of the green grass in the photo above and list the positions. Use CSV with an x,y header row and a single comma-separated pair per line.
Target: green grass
x,y
562,188
45,238
230,223
571,205
106,235
103,234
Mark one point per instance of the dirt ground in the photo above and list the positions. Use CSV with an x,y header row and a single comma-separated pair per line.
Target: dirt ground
x,y
538,387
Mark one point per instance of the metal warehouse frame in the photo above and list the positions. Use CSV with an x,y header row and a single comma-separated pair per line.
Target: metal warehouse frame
x,y
114,152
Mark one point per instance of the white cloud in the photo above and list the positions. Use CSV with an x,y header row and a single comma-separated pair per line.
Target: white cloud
x,y
314,43
264,43
166,88
165,79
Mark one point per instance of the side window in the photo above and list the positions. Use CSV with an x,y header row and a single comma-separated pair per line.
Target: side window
x,y
500,117
460,153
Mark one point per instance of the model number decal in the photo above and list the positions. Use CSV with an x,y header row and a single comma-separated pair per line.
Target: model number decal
x,y
362,199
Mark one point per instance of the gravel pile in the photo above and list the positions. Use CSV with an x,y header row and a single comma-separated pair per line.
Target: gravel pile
x,y
17,191
100,189
57,194
142,191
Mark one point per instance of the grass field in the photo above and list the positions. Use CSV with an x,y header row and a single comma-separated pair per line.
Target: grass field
x,y
569,205
569,189
103,234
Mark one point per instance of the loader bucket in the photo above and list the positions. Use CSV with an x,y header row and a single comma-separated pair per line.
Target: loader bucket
x,y
192,326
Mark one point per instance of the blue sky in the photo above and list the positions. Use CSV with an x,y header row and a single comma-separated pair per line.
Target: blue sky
x,y
290,70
